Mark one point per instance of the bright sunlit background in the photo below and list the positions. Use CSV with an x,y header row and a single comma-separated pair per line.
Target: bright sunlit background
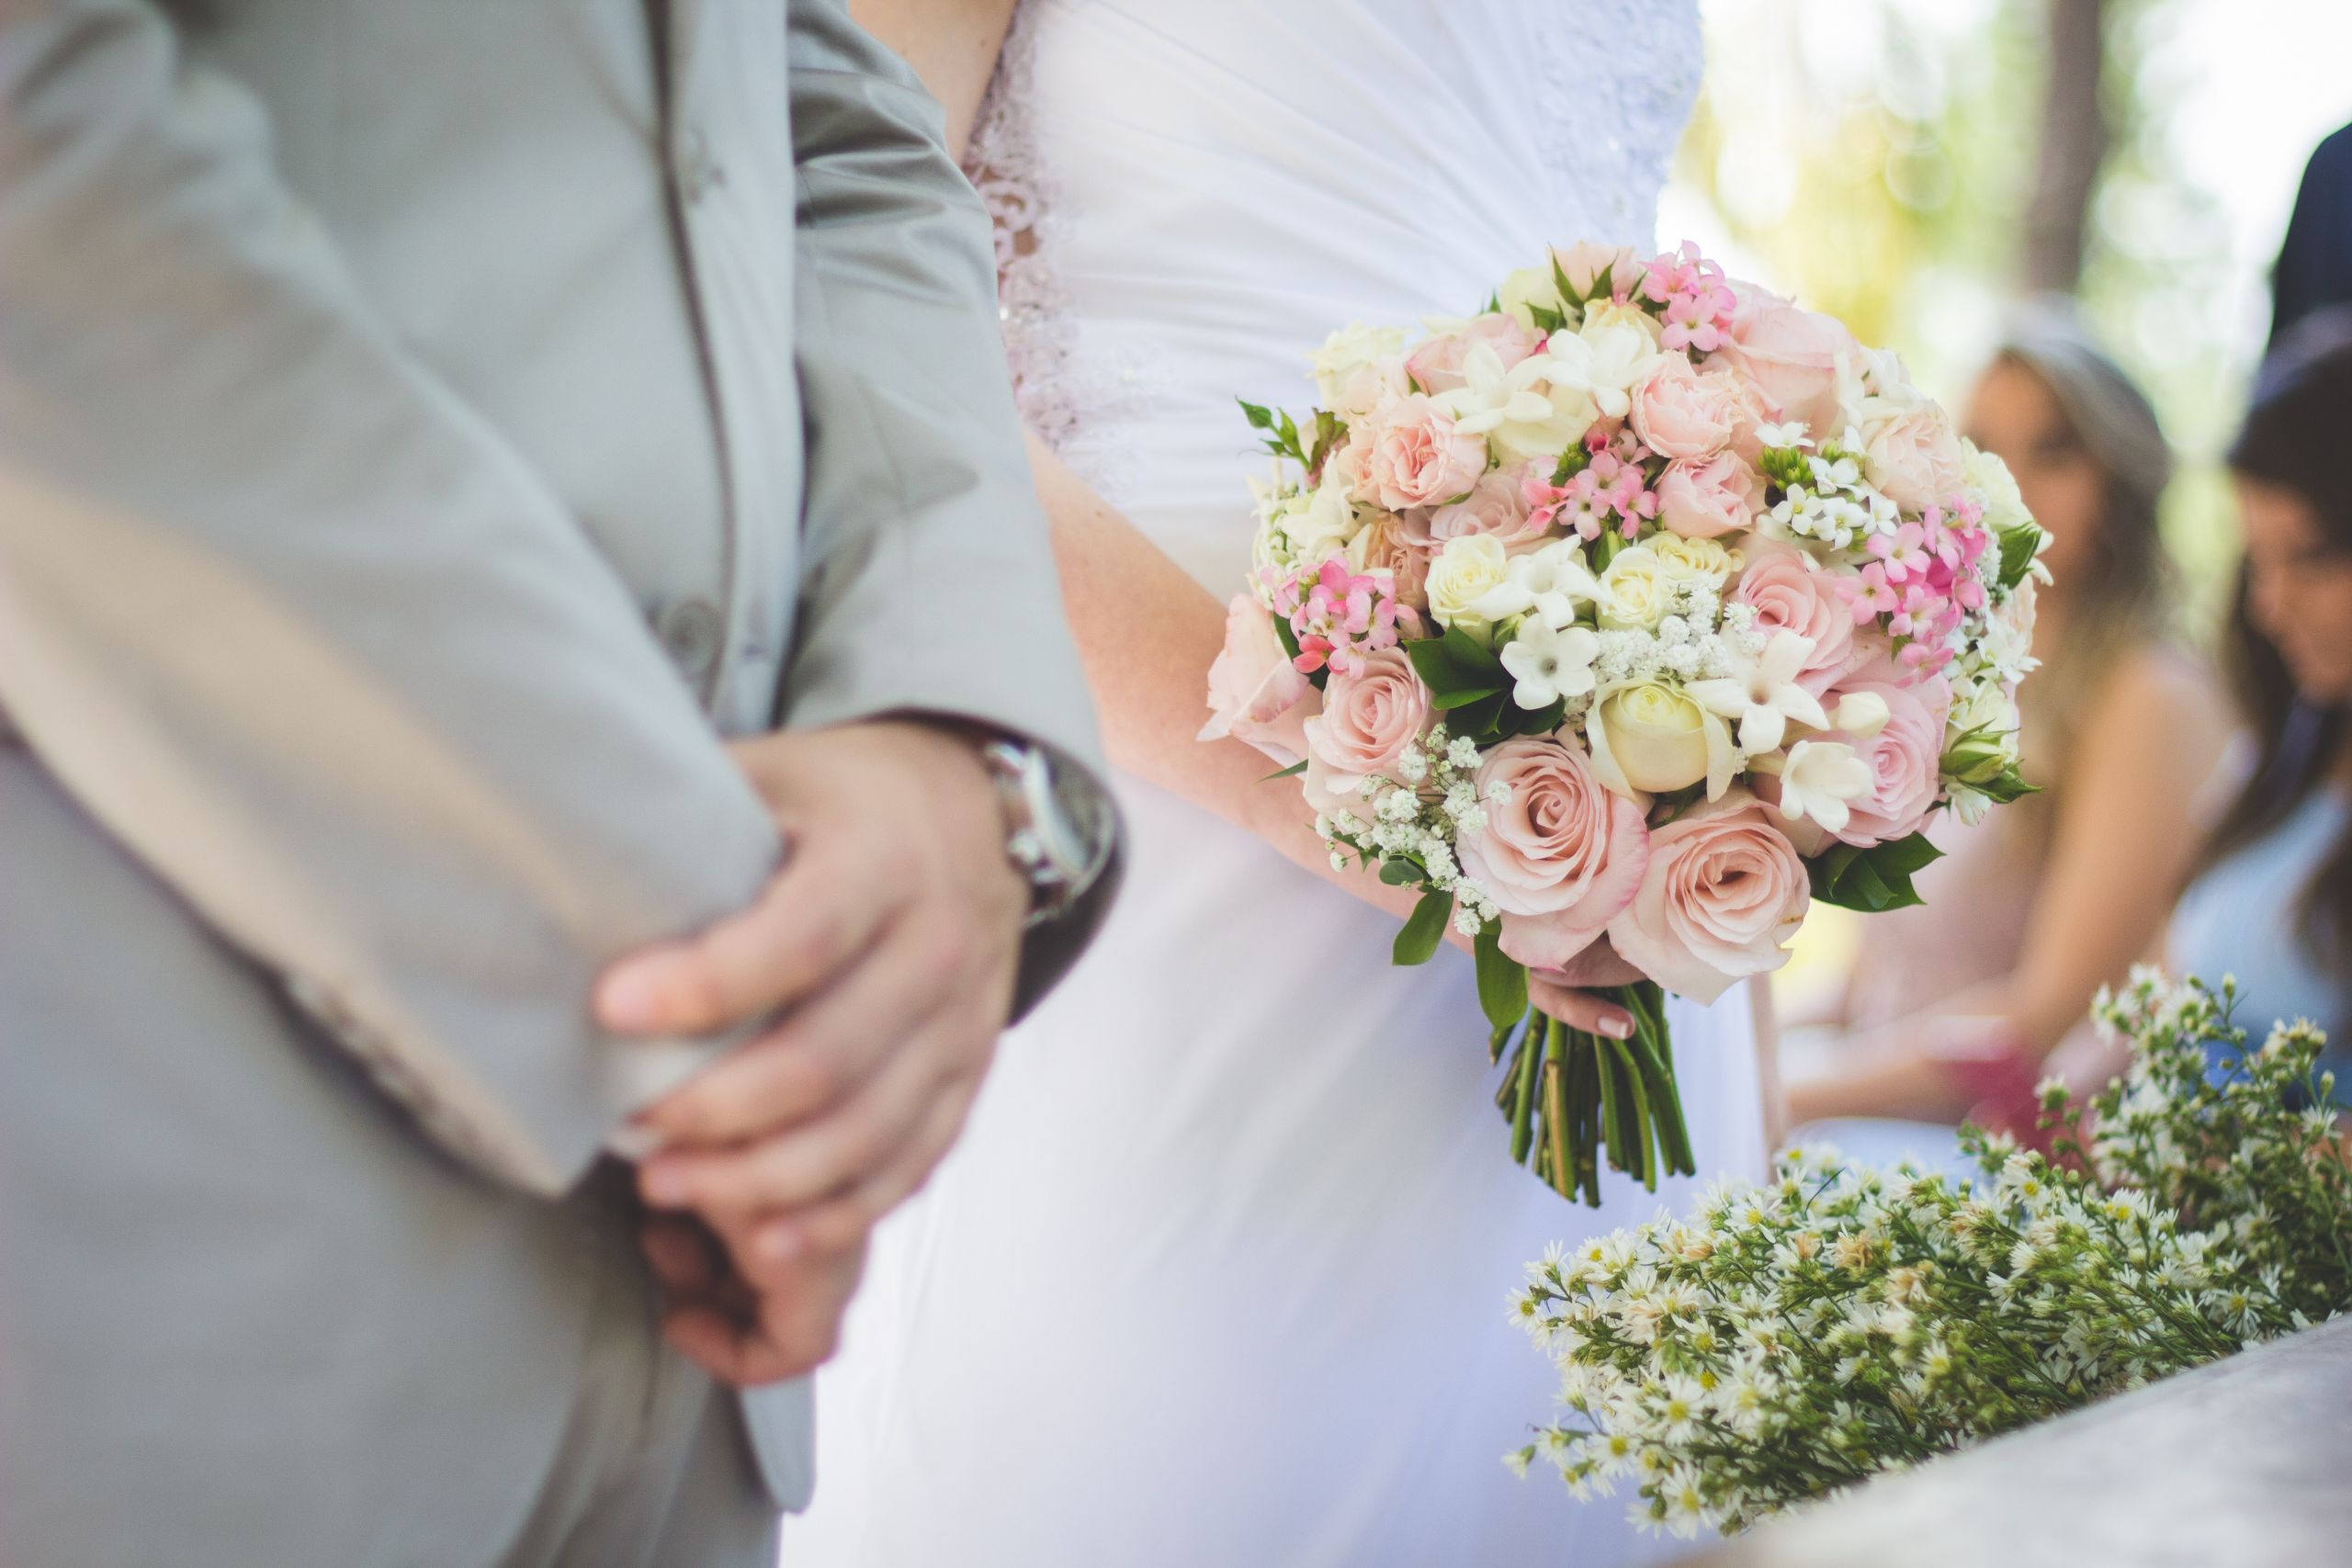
x,y
1878,159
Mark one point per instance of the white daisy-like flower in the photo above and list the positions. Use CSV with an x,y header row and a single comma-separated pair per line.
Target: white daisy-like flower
x,y
1546,665
1762,693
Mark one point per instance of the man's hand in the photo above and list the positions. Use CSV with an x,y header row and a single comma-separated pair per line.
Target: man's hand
x,y
741,1334
886,949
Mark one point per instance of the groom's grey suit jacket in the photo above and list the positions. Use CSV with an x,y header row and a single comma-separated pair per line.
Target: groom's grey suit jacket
x,y
427,428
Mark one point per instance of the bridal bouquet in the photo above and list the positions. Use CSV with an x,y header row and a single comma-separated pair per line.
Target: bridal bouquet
x,y
1787,1340
1640,606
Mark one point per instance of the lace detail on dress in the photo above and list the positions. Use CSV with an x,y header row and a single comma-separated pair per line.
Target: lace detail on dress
x,y
1609,133
1061,392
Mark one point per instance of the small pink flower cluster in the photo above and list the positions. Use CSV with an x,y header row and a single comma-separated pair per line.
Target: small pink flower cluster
x,y
1612,491
1922,582
1699,301
1337,615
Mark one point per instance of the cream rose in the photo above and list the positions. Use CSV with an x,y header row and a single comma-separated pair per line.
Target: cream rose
x,y
1255,694
1650,736
1683,560
1470,567
1559,854
1708,497
1636,590
1349,350
1368,719
1913,458
1723,893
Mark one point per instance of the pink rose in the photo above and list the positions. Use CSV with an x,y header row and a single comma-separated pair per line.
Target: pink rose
x,y
1702,498
1368,719
1585,264
1496,506
1437,364
1388,544
1724,889
1367,387
1560,857
1789,590
1413,456
1791,355
1905,757
1255,692
1679,413
1913,458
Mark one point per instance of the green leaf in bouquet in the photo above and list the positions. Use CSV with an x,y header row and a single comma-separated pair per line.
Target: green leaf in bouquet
x,y
1457,668
1424,930
1536,721
1875,879
1402,871
1546,318
1483,720
1260,418
1329,431
1281,431
2006,786
2018,547
1290,772
1502,981
1572,461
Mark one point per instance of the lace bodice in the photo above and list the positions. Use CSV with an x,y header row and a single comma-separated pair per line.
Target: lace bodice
x,y
1189,196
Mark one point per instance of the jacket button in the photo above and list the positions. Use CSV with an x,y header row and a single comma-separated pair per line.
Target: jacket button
x,y
689,633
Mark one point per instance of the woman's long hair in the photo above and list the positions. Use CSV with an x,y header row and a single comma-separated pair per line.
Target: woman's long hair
x,y
2294,437
2126,598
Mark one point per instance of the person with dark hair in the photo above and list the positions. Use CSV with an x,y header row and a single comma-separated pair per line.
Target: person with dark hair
x,y
2271,903
1954,1005
2314,269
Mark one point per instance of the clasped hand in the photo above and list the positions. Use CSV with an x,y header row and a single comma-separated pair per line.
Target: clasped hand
x,y
883,956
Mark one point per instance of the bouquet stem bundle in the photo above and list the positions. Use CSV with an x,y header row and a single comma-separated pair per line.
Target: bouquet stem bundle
x,y
1572,1096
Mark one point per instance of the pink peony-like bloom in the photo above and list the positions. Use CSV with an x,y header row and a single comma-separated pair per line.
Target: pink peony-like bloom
x,y
1680,412
1560,857
1412,455
1368,719
1704,498
1436,363
1789,590
1791,355
1905,757
1724,889
1255,692
1496,506
1913,459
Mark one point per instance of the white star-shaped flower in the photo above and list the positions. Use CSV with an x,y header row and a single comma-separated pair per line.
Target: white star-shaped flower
x,y
1548,665
1525,411
1762,693
1607,359
1821,778
1549,583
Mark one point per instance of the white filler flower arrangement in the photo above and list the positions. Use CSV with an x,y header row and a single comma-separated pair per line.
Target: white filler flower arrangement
x,y
1789,1340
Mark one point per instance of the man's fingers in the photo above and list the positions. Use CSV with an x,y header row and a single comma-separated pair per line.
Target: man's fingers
x,y
818,1055
836,1224
817,913
828,1152
1580,1010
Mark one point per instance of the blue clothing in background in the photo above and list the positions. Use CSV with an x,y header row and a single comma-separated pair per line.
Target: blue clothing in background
x,y
2242,918
2314,268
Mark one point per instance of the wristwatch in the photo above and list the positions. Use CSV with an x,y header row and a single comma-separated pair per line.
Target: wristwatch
x,y
1058,826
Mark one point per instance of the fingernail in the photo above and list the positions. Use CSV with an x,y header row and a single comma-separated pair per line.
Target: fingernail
x,y
1617,1026
629,1001
664,1186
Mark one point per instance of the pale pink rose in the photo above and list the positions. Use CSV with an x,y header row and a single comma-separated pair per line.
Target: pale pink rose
x,y
1913,459
1704,498
1437,363
1905,757
1560,857
1496,506
1255,694
1368,720
1789,590
1389,544
1586,263
1368,386
1412,455
1679,413
1791,355
1724,889
1751,410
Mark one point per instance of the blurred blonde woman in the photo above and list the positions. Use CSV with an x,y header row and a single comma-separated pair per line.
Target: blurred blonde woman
x,y
1954,1005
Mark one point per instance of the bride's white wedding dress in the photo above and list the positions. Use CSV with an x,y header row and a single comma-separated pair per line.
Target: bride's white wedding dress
x,y
1217,1274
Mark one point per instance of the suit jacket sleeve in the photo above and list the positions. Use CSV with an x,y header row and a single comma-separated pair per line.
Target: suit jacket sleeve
x,y
930,583
299,628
